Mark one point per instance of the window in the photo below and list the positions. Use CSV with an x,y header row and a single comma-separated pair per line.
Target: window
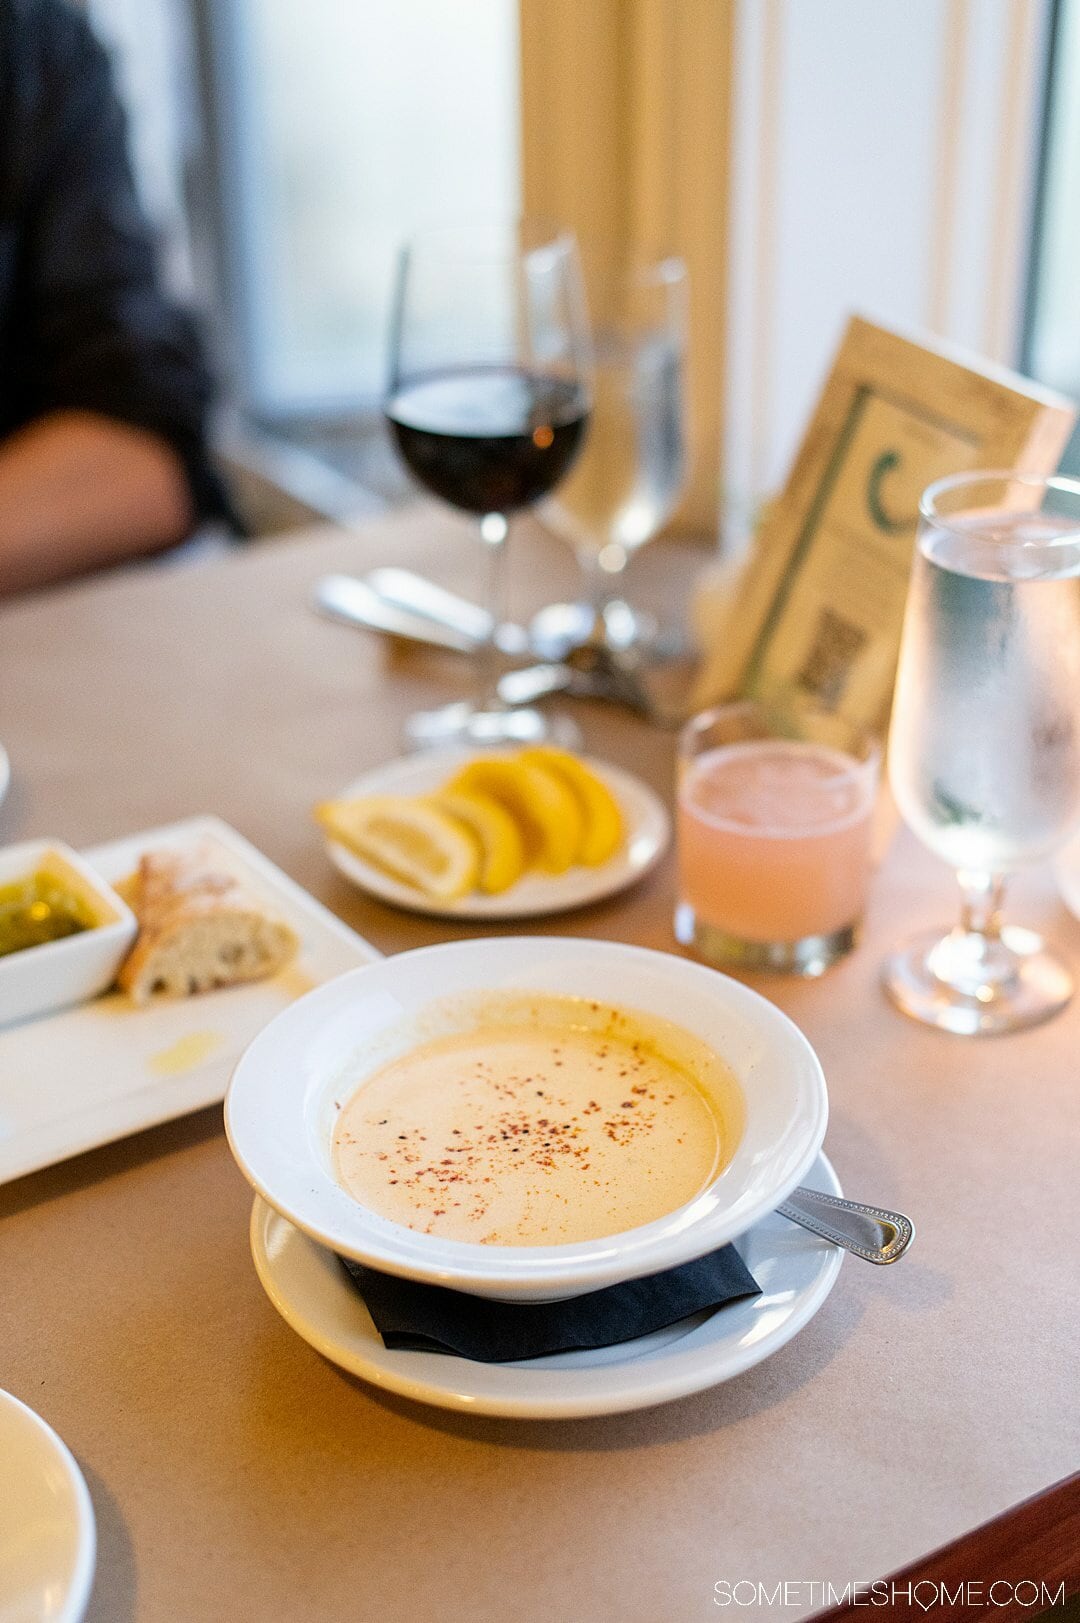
x,y
342,128
1053,346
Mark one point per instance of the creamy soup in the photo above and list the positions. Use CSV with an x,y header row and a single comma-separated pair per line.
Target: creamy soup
x,y
552,1120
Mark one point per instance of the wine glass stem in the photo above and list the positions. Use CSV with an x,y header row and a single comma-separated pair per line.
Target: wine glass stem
x,y
601,585
982,897
494,529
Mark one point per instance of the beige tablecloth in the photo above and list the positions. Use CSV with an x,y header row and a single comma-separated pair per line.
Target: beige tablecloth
x,y
235,1474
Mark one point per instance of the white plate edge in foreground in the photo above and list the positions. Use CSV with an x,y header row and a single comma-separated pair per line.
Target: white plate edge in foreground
x,y
82,1578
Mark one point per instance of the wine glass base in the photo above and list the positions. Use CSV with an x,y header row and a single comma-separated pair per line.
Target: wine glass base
x,y
561,627
952,982
464,724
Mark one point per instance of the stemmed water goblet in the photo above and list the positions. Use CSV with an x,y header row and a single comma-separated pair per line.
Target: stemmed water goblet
x,y
984,745
630,475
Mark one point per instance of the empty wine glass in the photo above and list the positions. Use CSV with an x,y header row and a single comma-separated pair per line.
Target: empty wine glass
x,y
984,746
488,400
627,481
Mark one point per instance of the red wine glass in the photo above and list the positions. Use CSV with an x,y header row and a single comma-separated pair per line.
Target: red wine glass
x,y
488,401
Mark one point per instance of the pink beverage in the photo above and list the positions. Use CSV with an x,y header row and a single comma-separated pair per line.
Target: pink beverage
x,y
774,840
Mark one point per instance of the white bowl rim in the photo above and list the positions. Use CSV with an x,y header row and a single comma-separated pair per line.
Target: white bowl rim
x,y
702,1226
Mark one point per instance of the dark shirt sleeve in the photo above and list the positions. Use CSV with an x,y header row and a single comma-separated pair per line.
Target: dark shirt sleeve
x,y
95,330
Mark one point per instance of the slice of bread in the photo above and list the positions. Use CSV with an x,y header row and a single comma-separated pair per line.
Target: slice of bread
x,y
199,927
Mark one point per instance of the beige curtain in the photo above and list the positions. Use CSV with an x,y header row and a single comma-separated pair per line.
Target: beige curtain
x,y
625,135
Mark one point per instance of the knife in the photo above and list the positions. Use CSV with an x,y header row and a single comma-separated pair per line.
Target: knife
x,y
354,602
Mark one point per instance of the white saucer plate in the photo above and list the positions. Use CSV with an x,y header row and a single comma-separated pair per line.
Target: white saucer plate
x,y
648,831
47,1536
795,1270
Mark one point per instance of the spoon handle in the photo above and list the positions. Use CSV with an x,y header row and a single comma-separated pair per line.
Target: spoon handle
x,y
867,1231
342,597
418,595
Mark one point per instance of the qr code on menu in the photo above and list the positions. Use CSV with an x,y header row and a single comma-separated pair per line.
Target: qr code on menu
x,y
827,666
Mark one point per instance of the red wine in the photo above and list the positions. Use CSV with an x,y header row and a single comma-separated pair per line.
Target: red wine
x,y
489,439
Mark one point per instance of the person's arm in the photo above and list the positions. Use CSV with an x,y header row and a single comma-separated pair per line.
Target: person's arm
x,y
112,461
78,491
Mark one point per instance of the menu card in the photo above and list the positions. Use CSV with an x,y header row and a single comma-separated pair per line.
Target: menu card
x,y
817,612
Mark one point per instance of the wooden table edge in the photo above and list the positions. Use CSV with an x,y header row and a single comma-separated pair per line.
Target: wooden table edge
x,y
1036,1540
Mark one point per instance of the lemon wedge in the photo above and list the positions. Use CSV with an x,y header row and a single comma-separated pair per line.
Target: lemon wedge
x,y
547,812
502,849
603,821
410,839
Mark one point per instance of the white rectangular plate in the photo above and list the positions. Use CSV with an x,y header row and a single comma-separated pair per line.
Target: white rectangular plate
x,y
91,1074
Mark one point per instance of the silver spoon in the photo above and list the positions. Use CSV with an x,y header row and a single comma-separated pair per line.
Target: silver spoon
x,y
343,597
581,679
438,619
866,1231
417,595
554,633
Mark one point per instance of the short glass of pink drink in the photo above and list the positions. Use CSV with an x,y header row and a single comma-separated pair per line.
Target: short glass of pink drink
x,y
773,824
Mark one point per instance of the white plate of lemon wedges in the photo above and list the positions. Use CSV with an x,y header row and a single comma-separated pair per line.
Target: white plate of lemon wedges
x,y
509,834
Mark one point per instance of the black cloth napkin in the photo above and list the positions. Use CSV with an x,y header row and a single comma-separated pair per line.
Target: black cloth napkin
x,y
428,1318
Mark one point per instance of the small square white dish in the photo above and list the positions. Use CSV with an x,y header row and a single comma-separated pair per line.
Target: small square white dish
x,y
38,980
97,1072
